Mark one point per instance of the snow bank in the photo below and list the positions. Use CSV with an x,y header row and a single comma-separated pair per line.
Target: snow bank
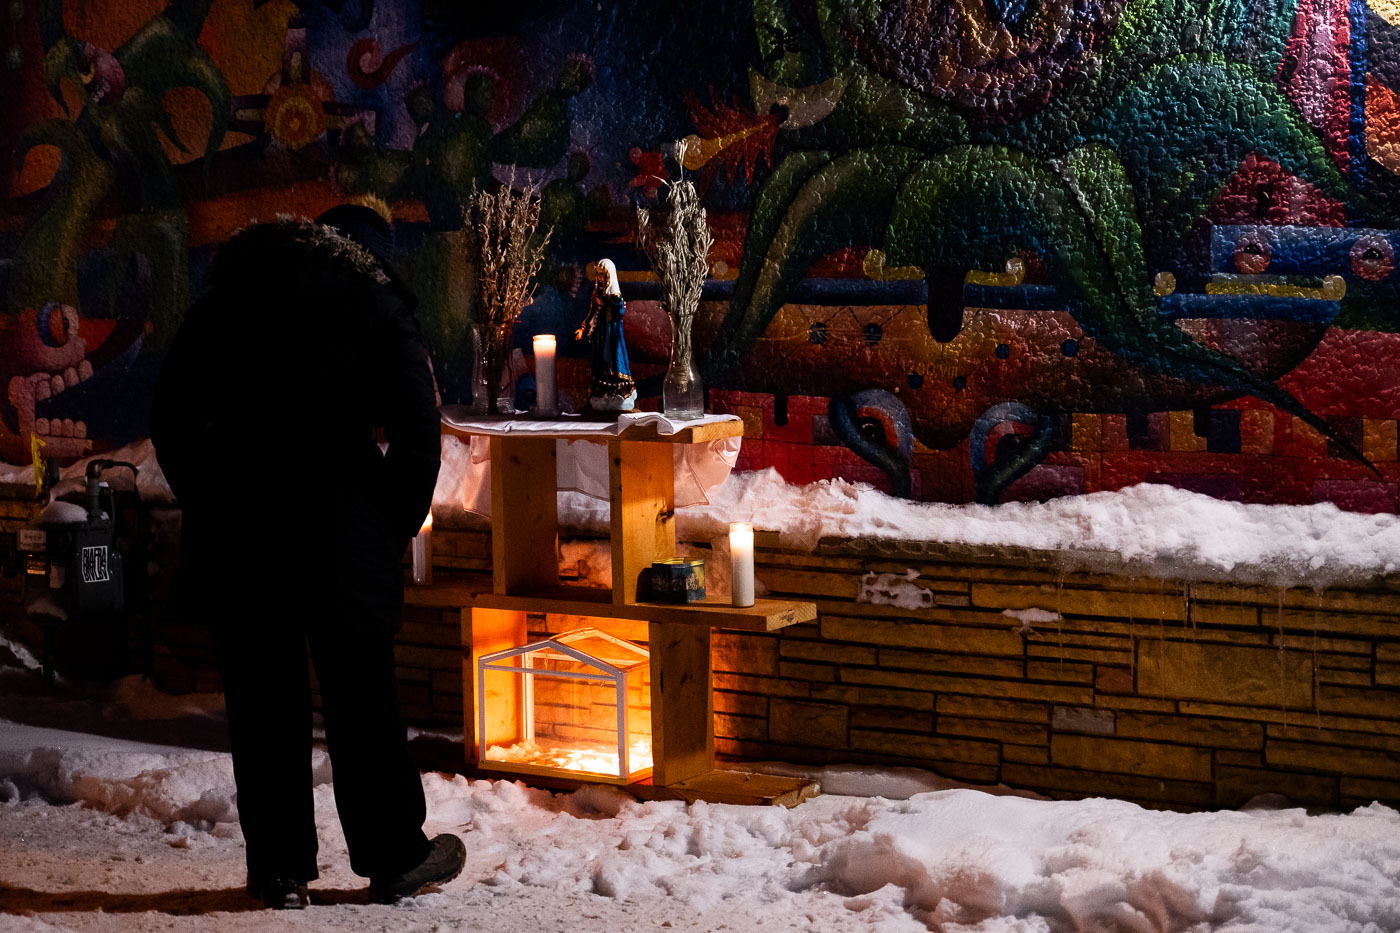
x,y
954,860
945,858
1148,530
115,776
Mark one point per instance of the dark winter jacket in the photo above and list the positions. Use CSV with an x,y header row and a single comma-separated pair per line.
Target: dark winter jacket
x,y
267,414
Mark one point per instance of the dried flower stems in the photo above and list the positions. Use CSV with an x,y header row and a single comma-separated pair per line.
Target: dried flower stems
x,y
679,249
501,235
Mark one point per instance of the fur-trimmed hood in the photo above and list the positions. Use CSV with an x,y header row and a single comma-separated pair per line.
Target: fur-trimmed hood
x,y
282,245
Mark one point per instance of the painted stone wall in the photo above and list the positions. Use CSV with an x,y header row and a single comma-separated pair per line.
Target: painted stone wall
x,y
973,249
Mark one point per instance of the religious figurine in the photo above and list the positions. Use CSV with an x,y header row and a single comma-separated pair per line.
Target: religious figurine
x,y
612,388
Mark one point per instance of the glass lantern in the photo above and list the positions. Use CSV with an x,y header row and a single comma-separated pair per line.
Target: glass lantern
x,y
577,704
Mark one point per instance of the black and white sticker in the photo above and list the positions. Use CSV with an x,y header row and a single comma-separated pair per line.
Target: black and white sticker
x,y
95,564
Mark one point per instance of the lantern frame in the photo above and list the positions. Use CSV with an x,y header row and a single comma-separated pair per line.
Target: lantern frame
x,y
620,675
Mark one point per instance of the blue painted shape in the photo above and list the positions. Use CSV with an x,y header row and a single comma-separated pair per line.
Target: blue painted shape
x,y
1005,411
1358,52
1295,250
1248,307
1013,298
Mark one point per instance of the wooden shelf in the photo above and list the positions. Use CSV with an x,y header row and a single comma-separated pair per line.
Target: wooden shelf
x,y
747,788
765,615
525,579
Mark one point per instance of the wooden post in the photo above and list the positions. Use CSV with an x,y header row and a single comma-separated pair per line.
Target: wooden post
x,y
682,704
524,514
643,511
483,632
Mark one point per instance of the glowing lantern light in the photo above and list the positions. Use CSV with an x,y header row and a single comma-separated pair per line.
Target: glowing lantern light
x,y
575,704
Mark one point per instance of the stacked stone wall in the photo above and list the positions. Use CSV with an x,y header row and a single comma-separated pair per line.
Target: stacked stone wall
x,y
1171,694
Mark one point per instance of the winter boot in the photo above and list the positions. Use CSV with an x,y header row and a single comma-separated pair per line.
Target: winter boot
x,y
445,859
280,893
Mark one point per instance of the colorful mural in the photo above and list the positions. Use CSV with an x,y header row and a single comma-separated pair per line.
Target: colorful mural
x,y
975,249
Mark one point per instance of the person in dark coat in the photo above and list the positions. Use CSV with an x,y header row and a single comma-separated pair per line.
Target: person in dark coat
x,y
295,419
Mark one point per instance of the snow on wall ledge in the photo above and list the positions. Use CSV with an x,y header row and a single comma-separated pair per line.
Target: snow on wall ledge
x,y
1146,530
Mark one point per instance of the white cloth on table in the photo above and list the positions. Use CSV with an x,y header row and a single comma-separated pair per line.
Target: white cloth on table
x,y
583,461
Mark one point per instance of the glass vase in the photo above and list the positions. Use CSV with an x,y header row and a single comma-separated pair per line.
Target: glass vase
x,y
479,404
682,392
489,374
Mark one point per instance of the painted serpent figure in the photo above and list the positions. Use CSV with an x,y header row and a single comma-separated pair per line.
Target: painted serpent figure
x,y
956,137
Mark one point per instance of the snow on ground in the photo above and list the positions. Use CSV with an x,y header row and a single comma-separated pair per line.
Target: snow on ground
x,y
100,832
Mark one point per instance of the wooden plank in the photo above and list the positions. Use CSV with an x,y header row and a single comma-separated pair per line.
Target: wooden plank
x,y
737,787
483,632
442,595
682,703
765,615
525,510
642,482
700,434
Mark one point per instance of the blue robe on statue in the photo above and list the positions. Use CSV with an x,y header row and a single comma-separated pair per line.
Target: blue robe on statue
x,y
612,374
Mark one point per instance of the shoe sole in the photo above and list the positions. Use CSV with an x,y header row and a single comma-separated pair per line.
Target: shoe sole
x,y
391,898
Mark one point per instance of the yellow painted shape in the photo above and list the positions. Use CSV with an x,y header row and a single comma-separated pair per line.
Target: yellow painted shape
x,y
753,421
874,267
1181,431
1309,436
1378,439
699,150
35,442
1334,288
1388,10
1256,432
1015,274
1086,432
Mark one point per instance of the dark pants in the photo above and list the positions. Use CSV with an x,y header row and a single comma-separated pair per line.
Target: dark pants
x,y
378,793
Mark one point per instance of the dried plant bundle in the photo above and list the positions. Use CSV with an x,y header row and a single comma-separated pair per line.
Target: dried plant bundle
x,y
678,246
502,241
501,228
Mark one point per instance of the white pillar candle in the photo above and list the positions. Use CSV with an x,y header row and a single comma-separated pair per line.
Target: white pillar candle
x,y
741,563
423,553
544,373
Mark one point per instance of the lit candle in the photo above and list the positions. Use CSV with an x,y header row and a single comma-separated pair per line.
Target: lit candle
x,y
544,373
423,553
741,563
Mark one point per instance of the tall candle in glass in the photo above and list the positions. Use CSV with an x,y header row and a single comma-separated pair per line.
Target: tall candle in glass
x,y
545,403
741,563
423,553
